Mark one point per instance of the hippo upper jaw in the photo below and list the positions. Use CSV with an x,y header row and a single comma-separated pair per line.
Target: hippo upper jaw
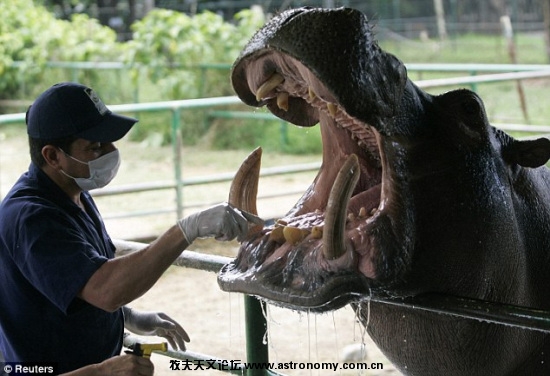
x,y
347,233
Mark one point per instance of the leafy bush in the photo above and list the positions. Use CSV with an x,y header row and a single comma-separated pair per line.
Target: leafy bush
x,y
167,49
32,35
170,45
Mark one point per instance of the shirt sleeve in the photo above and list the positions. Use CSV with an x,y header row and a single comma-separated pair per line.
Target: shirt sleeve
x,y
54,253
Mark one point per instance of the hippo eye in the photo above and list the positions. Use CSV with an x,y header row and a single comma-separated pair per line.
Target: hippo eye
x,y
470,106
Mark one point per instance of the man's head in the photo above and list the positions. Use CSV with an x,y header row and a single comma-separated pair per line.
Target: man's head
x,y
68,111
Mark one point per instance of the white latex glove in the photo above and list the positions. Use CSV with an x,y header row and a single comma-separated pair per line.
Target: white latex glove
x,y
222,222
155,324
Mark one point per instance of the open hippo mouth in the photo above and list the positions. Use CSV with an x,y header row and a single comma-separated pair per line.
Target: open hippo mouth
x,y
325,251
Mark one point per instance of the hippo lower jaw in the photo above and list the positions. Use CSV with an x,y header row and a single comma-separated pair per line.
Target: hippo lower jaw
x,y
323,253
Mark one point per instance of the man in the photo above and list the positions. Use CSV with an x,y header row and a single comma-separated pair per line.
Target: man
x,y
63,294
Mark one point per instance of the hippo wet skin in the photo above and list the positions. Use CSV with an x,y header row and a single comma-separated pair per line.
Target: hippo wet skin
x,y
416,194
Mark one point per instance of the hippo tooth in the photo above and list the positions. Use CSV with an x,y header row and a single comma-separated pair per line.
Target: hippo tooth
x,y
373,211
311,93
351,217
277,235
294,235
275,80
334,244
317,232
332,108
244,188
282,101
362,212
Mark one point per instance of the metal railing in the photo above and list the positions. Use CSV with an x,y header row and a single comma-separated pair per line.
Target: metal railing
x,y
74,68
177,107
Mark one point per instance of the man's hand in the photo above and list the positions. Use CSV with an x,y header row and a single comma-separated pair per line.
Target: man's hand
x,y
222,222
123,365
156,324
127,365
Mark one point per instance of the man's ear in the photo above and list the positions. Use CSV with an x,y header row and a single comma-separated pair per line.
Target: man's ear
x,y
528,153
50,154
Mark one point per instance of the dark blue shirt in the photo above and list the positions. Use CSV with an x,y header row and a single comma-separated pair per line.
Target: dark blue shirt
x,y
49,248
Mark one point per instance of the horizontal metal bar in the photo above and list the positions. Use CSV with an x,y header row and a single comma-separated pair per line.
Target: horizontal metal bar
x,y
223,365
242,115
183,104
218,178
485,78
498,313
142,213
421,67
524,128
208,360
188,259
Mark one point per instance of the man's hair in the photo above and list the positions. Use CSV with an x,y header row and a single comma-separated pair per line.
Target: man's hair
x,y
36,145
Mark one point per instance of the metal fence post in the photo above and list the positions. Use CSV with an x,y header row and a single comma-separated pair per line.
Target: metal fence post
x,y
176,150
256,335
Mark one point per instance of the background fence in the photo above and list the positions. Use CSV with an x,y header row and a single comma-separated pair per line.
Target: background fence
x,y
217,108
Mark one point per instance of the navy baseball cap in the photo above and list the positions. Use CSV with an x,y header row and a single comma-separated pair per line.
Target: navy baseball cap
x,y
70,109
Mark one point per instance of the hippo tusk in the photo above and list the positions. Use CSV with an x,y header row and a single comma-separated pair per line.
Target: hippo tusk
x,y
335,220
243,192
269,85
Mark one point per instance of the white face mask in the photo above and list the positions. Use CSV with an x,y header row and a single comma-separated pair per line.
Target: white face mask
x,y
102,171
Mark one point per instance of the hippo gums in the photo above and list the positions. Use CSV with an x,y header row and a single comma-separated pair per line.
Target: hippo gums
x,y
416,194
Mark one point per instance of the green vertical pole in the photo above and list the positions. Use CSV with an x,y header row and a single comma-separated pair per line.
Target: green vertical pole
x,y
176,150
473,85
284,135
256,337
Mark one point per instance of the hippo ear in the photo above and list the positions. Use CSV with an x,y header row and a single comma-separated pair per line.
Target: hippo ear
x,y
528,153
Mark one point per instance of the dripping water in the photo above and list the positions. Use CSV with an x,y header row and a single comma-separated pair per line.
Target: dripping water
x,y
335,331
235,334
308,336
265,309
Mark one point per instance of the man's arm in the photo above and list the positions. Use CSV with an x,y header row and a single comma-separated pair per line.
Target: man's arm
x,y
124,365
121,280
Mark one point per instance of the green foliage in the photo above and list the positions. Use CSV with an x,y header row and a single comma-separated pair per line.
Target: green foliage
x,y
272,135
20,32
170,45
32,35
167,49
165,54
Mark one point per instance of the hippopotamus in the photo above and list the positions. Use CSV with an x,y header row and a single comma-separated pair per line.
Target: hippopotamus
x,y
416,194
